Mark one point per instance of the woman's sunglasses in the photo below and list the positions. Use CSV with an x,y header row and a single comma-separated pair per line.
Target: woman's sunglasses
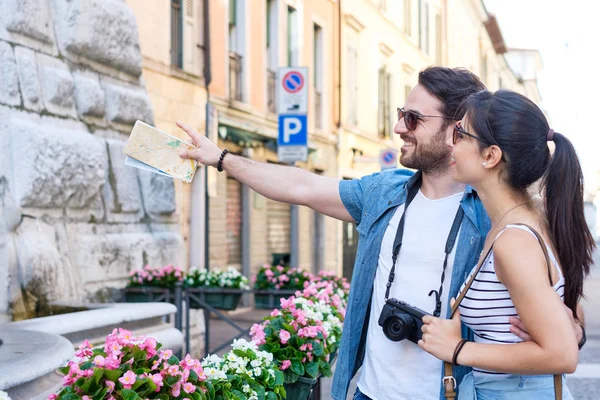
x,y
411,118
459,133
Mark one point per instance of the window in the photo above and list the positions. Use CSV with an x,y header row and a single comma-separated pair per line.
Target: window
x,y
383,120
424,26
438,39
318,74
271,41
292,38
352,84
483,66
176,34
408,17
232,25
235,56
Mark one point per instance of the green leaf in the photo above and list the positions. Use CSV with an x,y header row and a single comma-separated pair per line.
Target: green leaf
x,y
193,376
290,377
278,377
174,144
318,349
86,365
113,375
325,369
64,370
138,383
211,390
71,396
139,355
129,394
237,395
98,373
173,360
271,396
171,380
312,369
297,367
99,395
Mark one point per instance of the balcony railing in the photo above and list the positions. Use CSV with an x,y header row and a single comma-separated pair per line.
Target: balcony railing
x,y
235,76
271,78
318,110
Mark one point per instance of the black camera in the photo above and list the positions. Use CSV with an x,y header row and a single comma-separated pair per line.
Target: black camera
x,y
400,321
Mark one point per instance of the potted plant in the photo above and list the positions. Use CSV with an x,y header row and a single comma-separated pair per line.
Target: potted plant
x,y
275,283
131,368
219,289
244,373
148,284
297,337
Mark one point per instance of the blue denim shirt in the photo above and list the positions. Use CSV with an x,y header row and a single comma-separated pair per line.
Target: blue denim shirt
x,y
372,201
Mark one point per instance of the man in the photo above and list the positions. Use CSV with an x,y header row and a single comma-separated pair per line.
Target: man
x,y
390,370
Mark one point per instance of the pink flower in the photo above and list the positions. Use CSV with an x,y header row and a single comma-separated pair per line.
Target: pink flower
x,y
85,350
99,361
112,362
286,364
189,388
128,379
149,346
258,334
111,386
283,278
279,268
284,336
52,396
176,389
158,381
86,398
288,304
275,312
269,273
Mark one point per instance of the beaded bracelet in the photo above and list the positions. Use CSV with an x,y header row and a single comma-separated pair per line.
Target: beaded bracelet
x,y
220,163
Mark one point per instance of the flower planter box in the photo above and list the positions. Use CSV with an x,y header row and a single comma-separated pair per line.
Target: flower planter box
x,y
263,300
217,299
145,294
299,390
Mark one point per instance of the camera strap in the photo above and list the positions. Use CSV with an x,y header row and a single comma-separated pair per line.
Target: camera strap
x,y
412,192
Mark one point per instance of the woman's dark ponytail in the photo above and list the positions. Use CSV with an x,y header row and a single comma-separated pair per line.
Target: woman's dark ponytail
x,y
518,126
563,193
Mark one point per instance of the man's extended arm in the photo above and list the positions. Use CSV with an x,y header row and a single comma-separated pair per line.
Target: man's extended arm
x,y
281,183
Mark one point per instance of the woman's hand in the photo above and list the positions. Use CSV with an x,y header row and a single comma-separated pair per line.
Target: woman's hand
x,y
440,336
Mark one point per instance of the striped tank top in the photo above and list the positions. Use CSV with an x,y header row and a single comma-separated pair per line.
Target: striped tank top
x,y
487,305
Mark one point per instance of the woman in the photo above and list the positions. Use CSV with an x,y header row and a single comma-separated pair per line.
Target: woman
x,y
500,149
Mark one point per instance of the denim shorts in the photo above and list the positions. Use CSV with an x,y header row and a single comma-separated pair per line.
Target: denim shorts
x,y
358,395
513,387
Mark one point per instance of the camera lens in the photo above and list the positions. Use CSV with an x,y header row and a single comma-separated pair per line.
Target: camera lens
x,y
399,327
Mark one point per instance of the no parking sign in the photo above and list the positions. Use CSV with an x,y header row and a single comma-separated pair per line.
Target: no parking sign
x,y
292,90
388,159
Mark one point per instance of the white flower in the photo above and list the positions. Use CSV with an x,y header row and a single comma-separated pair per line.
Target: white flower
x,y
213,373
4,396
255,363
232,357
257,371
246,388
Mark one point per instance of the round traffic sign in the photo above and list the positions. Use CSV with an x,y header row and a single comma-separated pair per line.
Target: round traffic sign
x,y
293,82
388,156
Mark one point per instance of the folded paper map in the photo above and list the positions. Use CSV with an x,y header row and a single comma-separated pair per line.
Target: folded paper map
x,y
156,151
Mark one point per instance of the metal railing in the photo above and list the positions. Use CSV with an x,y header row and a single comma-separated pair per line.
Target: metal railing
x,y
235,76
271,78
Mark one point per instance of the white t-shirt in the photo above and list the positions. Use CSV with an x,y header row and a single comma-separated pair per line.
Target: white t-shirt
x,y
401,370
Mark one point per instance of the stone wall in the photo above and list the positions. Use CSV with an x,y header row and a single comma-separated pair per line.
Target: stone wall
x,y
73,219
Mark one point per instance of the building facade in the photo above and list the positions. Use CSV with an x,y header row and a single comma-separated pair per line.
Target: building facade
x,y
363,58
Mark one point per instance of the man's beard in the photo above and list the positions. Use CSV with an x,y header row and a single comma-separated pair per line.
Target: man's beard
x,y
431,158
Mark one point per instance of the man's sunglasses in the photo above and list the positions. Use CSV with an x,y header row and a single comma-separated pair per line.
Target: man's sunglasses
x,y
411,118
459,133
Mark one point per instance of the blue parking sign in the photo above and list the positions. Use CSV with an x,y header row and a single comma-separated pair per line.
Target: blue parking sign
x,y
292,139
